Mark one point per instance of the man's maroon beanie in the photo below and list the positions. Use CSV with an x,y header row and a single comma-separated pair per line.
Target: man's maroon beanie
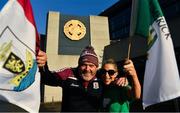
x,y
88,55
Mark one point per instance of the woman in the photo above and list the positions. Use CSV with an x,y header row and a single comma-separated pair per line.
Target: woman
x,y
115,98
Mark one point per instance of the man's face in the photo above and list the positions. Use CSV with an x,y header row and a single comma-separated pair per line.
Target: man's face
x,y
87,70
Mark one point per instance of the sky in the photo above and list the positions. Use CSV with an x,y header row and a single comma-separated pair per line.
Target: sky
x,y
68,7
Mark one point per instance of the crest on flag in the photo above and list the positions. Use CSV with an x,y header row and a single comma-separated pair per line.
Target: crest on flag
x,y
16,66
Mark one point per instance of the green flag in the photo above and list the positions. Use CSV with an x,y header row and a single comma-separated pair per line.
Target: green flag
x,y
161,79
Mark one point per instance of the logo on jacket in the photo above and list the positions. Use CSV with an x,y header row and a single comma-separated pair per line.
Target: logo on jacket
x,y
95,85
74,85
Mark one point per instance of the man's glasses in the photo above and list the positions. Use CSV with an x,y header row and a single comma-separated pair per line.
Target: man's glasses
x,y
110,72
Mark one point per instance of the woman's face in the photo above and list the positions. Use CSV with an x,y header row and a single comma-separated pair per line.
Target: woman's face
x,y
109,73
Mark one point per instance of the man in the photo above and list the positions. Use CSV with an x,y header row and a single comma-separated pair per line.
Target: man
x,y
81,88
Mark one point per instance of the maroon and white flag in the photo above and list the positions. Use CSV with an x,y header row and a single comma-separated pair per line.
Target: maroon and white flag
x,y
19,75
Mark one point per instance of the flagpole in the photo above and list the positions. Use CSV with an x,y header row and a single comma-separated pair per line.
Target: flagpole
x,y
132,27
129,48
132,24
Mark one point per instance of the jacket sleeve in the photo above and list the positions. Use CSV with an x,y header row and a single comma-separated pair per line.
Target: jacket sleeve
x,y
49,77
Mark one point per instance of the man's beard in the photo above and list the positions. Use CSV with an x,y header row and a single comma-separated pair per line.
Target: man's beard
x,y
87,75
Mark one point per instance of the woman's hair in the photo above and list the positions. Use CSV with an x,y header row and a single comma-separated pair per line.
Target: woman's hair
x,y
110,61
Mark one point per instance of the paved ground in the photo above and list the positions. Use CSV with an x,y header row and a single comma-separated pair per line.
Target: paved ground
x,y
45,107
50,107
